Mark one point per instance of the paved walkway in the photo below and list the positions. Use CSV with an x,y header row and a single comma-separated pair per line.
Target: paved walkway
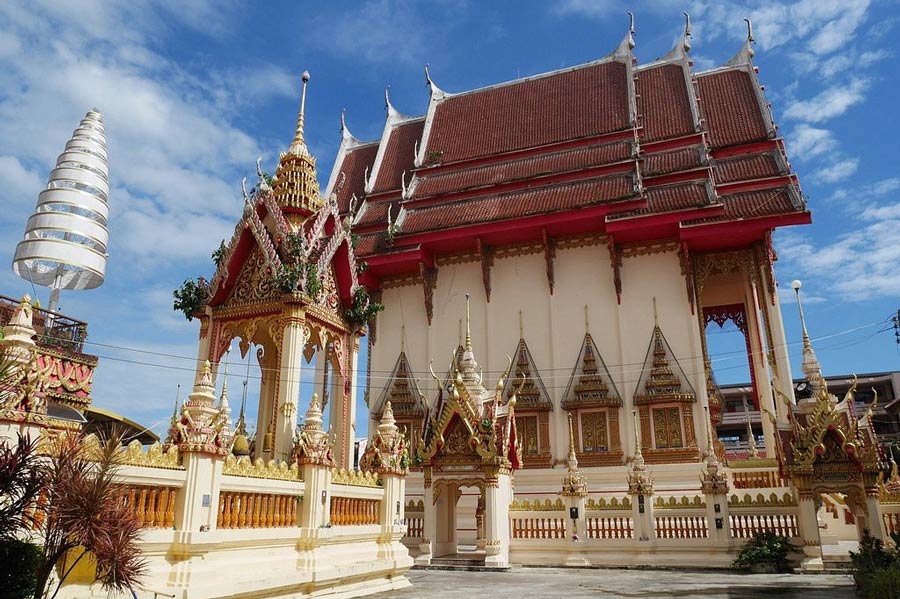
x,y
541,583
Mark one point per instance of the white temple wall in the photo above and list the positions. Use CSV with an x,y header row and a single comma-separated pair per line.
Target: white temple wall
x,y
554,326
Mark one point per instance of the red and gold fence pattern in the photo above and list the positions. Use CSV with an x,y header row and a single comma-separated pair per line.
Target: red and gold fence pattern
x,y
256,510
610,528
681,527
539,528
352,511
767,479
744,526
154,506
415,527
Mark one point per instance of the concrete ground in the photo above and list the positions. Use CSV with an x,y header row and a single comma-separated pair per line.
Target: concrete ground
x,y
541,583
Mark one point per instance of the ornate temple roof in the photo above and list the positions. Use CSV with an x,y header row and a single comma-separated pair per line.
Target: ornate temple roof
x,y
639,152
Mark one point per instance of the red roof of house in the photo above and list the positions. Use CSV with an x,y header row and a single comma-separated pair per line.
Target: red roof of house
x,y
356,162
521,168
563,142
572,104
730,107
398,156
517,204
663,102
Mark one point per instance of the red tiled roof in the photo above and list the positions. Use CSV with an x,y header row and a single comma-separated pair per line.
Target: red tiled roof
x,y
661,163
369,244
756,204
731,109
745,168
354,168
572,104
766,202
398,155
376,212
669,198
519,204
493,174
663,102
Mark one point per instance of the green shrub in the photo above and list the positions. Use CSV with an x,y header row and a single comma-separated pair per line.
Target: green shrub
x,y
882,584
874,567
18,566
768,550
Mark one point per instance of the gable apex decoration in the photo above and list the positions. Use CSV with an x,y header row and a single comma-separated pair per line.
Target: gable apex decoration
x,y
662,378
590,384
401,391
532,393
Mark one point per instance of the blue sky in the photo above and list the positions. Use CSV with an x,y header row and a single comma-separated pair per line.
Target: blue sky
x,y
193,92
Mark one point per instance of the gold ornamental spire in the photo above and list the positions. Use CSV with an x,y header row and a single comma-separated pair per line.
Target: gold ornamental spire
x,y
468,329
296,186
299,145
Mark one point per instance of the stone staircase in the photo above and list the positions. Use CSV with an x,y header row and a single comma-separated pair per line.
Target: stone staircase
x,y
462,562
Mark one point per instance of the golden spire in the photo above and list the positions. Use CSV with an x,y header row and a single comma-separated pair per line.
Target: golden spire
x,y
810,365
572,461
751,439
299,145
296,184
637,437
468,329
521,326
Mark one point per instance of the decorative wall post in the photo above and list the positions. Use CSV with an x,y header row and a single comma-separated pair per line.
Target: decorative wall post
x,y
23,410
808,526
497,497
388,456
314,457
291,361
640,485
429,520
203,435
574,490
714,485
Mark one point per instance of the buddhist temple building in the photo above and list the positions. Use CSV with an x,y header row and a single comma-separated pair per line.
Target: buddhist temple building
x,y
600,216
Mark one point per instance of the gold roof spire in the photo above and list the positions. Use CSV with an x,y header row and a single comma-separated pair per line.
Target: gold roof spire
x,y
468,329
298,146
296,184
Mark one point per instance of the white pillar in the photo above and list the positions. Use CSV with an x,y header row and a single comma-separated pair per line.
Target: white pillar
x,y
760,366
808,526
290,366
778,344
429,524
197,503
497,497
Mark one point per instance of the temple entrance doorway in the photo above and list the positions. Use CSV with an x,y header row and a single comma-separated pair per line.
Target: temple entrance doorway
x,y
459,511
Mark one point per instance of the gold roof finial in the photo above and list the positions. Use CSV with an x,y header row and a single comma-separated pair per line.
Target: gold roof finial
x,y
468,328
655,315
299,145
810,365
521,326
587,324
572,461
296,185
751,439
637,437
459,334
402,338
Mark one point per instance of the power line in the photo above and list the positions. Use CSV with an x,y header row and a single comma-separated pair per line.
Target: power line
x,y
383,375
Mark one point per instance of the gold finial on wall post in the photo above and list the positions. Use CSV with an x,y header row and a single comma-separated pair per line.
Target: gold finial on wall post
x,y
468,327
521,326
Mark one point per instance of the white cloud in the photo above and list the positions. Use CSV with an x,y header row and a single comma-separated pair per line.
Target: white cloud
x,y
808,142
837,171
829,103
861,263
20,187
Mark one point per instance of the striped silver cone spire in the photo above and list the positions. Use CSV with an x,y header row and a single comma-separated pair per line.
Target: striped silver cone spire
x,y
65,239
